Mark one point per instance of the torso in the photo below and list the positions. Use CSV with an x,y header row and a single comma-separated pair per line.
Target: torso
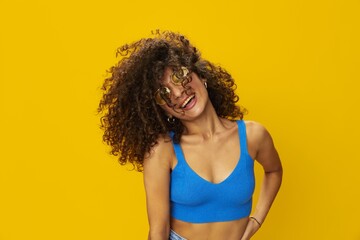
x,y
225,147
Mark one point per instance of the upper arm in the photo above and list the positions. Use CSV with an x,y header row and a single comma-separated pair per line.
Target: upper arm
x,y
264,148
157,185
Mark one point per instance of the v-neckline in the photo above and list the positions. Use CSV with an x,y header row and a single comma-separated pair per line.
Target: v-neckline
x,y
230,174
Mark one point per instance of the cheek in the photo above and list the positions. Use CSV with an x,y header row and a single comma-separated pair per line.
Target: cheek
x,y
167,110
196,83
178,113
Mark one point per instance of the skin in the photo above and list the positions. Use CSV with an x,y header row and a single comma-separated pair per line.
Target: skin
x,y
207,137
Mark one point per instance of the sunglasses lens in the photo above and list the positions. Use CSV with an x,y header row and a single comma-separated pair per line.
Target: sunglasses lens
x,y
179,76
162,95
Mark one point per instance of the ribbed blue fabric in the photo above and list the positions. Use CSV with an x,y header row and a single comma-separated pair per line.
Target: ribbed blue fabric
x,y
196,200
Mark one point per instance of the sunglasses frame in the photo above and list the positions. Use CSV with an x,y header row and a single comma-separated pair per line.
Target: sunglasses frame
x,y
163,94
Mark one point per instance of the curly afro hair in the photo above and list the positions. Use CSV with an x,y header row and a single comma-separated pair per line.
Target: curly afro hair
x,y
131,119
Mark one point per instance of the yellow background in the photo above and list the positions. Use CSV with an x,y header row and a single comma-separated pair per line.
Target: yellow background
x,y
296,64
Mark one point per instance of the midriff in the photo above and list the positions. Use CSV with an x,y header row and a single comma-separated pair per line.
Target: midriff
x,y
231,230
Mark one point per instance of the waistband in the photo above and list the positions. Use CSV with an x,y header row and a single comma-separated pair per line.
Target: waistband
x,y
175,236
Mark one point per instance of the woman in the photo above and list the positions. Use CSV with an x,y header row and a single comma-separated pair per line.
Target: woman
x,y
173,116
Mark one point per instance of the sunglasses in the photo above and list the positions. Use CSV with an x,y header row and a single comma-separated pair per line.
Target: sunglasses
x,y
163,94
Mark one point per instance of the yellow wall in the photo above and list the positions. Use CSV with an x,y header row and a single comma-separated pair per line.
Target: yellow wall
x,y
297,67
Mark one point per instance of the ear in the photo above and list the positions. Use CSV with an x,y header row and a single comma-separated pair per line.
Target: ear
x,y
205,83
203,80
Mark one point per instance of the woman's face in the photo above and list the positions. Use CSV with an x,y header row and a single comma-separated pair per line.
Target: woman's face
x,y
183,102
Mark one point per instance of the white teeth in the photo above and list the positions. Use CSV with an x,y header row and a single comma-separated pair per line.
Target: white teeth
x,y
187,100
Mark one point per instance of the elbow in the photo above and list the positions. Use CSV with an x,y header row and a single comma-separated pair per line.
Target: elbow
x,y
276,171
275,175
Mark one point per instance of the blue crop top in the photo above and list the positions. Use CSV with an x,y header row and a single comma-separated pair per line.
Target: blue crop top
x,y
196,200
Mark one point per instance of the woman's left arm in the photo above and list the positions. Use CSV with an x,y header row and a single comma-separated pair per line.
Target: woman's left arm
x,y
265,153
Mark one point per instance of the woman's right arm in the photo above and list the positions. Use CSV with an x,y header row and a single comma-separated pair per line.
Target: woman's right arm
x,y
157,183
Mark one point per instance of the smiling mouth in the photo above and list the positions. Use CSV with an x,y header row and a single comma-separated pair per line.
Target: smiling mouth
x,y
187,100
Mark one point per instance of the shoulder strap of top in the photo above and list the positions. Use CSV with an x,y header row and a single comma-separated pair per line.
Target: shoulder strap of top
x,y
177,148
242,136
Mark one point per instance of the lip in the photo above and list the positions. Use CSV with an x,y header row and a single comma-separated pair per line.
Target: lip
x,y
192,101
189,98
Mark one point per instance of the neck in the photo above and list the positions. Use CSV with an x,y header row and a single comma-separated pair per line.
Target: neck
x,y
205,126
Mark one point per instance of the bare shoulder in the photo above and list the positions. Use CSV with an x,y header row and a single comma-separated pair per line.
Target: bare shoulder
x,y
256,131
157,168
258,138
262,146
160,155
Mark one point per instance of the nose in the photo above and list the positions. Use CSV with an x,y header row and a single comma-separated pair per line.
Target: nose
x,y
177,91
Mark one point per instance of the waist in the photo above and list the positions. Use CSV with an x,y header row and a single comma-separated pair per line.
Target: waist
x,y
229,230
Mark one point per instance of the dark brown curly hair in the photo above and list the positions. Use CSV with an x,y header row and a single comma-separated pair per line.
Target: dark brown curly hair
x,y
131,119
